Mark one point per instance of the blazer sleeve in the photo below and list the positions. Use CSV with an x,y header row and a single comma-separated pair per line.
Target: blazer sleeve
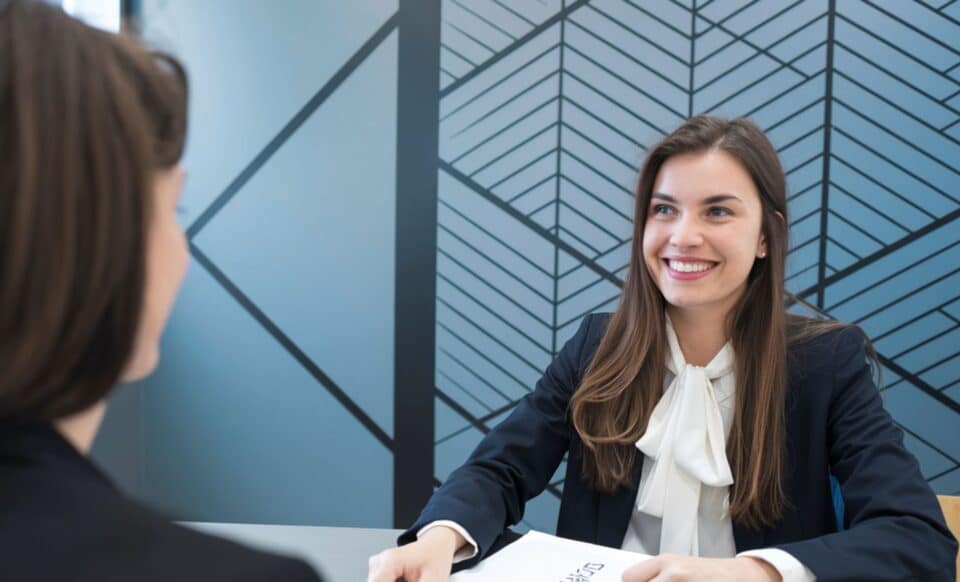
x,y
514,461
894,528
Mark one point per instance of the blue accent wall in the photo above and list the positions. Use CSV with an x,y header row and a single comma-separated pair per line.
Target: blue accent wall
x,y
275,400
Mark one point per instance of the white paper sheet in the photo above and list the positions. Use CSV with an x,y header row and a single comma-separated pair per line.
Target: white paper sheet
x,y
540,557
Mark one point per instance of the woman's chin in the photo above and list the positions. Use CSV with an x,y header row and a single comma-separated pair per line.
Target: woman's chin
x,y
142,365
684,301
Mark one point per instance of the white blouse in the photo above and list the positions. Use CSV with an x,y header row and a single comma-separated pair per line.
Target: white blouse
x,y
682,501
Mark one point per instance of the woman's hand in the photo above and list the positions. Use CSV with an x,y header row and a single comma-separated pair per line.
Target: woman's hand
x,y
668,567
428,559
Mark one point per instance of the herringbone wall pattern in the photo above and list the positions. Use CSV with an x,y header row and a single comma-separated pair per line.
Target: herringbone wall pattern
x,y
545,114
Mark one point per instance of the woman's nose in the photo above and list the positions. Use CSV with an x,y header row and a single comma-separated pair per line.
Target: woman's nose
x,y
687,232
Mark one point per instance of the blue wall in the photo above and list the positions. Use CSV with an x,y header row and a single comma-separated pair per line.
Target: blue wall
x,y
236,427
545,112
860,99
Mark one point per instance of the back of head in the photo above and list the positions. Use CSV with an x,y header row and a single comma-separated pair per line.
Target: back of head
x,y
86,119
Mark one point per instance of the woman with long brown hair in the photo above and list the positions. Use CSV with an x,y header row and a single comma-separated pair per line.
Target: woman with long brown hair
x,y
702,421
92,127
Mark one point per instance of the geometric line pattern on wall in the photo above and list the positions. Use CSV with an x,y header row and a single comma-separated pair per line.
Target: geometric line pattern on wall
x,y
251,169
541,137
291,347
475,33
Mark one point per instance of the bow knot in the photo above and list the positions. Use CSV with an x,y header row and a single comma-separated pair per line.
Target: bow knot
x,y
686,441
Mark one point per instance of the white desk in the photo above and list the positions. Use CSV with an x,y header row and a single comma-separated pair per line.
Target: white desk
x,y
339,553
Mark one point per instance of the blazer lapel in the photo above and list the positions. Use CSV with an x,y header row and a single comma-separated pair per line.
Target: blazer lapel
x,y
614,511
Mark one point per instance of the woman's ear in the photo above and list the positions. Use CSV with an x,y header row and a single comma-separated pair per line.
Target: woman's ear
x,y
762,246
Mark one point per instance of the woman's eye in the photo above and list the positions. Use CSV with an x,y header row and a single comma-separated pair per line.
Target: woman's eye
x,y
719,211
662,209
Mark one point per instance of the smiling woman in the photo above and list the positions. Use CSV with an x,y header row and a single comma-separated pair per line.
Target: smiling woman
x,y
711,200
721,232
701,420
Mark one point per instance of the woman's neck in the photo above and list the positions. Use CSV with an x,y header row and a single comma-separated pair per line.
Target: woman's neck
x,y
701,334
80,429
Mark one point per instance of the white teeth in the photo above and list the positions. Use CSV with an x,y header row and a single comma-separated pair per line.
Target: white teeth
x,y
689,267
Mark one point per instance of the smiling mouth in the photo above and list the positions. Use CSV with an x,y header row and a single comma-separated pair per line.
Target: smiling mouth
x,y
689,267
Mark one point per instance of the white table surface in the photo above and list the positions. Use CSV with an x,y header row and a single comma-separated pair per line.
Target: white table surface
x,y
339,553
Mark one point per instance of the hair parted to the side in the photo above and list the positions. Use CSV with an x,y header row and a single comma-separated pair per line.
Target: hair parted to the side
x,y
624,381
86,119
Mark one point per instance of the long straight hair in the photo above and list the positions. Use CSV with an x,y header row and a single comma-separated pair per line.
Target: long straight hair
x,y
624,381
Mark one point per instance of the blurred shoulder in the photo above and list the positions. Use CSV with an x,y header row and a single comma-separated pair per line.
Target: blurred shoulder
x,y
213,558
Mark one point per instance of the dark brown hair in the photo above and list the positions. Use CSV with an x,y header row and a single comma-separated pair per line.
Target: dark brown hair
x,y
86,119
624,381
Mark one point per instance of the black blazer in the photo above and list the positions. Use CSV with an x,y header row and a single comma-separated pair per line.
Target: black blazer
x,y
835,424
62,519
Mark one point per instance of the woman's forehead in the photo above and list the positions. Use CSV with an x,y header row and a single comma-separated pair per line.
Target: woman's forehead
x,y
700,177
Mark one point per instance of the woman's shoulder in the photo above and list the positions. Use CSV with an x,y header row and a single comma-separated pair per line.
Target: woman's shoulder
x,y
216,558
808,334
92,531
817,347
594,324
157,549
581,346
592,329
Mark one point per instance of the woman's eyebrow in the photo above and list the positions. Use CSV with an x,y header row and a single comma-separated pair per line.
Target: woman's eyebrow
x,y
716,198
